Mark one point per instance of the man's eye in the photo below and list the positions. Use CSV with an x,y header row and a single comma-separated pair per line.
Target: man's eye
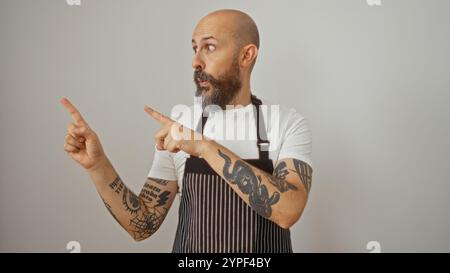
x,y
211,47
195,49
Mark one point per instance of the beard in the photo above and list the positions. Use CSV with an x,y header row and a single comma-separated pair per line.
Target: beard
x,y
221,90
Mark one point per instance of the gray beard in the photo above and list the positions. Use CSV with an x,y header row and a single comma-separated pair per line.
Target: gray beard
x,y
222,90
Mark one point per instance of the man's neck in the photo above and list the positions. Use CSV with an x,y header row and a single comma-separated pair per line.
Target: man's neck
x,y
243,97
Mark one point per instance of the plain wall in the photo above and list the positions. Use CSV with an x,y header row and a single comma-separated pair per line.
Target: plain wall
x,y
373,81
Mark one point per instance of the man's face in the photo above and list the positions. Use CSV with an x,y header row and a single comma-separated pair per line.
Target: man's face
x,y
217,72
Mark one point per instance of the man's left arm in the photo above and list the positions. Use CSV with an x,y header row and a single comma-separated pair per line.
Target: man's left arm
x,y
279,197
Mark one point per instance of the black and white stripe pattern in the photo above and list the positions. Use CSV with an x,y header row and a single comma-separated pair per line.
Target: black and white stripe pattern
x,y
213,218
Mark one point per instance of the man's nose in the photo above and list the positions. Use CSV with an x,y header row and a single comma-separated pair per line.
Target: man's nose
x,y
197,62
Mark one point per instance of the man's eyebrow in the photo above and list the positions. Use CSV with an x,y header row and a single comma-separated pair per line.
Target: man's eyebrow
x,y
205,38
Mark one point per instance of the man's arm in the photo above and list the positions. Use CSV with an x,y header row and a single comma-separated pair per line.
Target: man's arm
x,y
281,197
141,216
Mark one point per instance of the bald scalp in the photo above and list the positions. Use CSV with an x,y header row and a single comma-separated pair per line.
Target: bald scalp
x,y
240,25
243,28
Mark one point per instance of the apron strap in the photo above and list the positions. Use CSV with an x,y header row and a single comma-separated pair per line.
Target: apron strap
x,y
262,142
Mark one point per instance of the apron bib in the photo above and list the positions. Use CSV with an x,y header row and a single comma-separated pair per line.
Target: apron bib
x,y
212,216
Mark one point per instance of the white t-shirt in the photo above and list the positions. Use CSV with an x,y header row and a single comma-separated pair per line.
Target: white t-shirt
x,y
287,131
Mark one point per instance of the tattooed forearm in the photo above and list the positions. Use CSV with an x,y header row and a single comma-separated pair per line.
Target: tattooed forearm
x,y
249,183
149,221
304,171
145,212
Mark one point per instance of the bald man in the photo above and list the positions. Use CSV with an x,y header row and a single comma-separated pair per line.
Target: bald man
x,y
236,194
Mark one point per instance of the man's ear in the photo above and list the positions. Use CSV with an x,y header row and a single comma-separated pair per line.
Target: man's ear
x,y
249,54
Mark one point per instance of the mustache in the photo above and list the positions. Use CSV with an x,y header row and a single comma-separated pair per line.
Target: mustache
x,y
200,75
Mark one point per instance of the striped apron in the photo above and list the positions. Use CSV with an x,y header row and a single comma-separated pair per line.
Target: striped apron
x,y
213,218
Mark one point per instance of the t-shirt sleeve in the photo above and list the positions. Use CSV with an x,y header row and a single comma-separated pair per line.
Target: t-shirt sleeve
x,y
163,166
298,140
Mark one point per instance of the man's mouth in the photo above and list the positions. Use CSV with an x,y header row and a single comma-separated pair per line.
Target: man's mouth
x,y
202,83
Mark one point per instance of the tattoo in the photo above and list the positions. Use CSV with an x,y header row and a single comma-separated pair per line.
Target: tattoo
x,y
131,201
144,219
279,178
249,183
152,192
162,198
281,170
147,223
117,185
147,193
162,182
304,171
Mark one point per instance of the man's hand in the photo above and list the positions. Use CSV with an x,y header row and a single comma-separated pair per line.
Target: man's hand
x,y
174,137
81,142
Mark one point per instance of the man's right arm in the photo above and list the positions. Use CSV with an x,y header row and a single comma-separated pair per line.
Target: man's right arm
x,y
140,215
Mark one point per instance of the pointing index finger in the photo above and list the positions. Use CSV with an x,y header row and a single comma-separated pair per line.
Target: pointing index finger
x,y
157,115
76,115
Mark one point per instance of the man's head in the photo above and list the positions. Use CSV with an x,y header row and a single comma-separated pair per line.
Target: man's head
x,y
225,44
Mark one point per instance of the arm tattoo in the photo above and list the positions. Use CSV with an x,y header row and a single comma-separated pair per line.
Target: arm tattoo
x,y
279,178
131,201
146,211
249,183
152,193
117,185
148,222
304,171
